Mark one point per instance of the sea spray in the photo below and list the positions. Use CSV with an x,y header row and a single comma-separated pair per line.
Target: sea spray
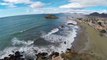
x,y
15,41
52,31
29,49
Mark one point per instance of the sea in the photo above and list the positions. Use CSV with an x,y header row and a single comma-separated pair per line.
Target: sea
x,y
34,33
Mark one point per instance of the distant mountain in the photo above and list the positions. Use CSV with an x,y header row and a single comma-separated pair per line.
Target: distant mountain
x,y
98,14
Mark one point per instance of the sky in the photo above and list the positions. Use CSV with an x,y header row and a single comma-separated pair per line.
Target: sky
x,y
21,7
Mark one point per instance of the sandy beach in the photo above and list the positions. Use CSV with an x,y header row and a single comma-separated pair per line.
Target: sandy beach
x,y
89,42
80,39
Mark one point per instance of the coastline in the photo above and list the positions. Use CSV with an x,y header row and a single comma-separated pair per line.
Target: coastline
x,y
80,39
29,49
89,44
97,46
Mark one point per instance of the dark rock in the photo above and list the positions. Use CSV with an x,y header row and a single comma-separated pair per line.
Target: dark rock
x,y
62,26
103,31
15,56
65,42
56,54
42,56
70,24
6,58
68,49
50,16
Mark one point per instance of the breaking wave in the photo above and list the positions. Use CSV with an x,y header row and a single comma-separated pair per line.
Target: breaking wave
x,y
30,50
15,41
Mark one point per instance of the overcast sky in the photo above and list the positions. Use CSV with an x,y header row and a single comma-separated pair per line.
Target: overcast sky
x,y
20,7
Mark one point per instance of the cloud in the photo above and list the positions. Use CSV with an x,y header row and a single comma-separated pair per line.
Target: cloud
x,y
90,3
12,3
4,4
37,5
18,1
72,5
8,4
29,3
84,3
49,10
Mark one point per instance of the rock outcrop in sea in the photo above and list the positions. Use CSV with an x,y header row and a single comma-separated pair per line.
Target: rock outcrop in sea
x,y
51,16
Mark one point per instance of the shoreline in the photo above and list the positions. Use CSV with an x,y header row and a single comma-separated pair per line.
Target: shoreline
x,y
95,46
43,52
80,40
87,44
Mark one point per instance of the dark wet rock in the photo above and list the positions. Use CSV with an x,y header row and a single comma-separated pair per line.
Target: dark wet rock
x,y
70,24
62,26
12,57
56,54
103,31
6,58
68,50
15,56
65,42
42,56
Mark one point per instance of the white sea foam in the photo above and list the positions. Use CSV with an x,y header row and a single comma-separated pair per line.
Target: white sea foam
x,y
69,40
53,38
15,41
29,50
72,21
52,31
7,51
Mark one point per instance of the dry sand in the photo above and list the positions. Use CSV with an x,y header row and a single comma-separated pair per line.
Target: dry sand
x,y
89,41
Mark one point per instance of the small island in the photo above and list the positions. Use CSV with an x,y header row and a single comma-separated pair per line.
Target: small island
x,y
51,16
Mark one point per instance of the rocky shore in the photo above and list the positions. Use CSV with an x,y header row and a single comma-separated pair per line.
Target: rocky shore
x,y
16,56
85,47
70,54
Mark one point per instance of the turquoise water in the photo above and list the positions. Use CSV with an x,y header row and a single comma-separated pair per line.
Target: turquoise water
x,y
27,33
26,27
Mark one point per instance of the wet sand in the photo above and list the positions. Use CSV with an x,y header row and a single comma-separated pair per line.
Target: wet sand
x,y
80,39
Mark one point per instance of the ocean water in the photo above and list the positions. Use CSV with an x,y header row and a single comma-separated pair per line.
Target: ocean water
x,y
30,33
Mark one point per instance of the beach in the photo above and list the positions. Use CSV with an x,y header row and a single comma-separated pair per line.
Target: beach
x,y
80,39
89,42
77,41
